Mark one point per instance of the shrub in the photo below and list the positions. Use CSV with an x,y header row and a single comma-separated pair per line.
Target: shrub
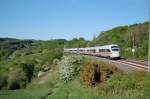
x,y
28,69
91,74
48,55
128,81
3,79
55,61
96,72
69,67
16,79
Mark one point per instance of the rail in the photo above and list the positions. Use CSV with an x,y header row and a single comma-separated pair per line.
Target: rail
x,y
133,64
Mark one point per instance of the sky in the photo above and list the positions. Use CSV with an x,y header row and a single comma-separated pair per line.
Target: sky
x,y
67,19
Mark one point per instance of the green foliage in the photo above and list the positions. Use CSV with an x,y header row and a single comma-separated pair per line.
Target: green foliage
x,y
74,43
134,85
56,61
136,82
16,79
120,86
28,69
30,58
34,92
3,79
125,36
69,67
8,46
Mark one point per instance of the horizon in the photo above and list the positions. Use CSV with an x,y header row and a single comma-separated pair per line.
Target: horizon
x,y
67,19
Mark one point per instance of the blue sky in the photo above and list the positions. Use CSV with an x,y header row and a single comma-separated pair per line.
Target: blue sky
x,y
52,19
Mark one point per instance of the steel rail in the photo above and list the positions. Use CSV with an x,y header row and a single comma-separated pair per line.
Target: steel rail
x,y
135,65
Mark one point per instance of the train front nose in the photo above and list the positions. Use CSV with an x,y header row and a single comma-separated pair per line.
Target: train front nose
x,y
115,55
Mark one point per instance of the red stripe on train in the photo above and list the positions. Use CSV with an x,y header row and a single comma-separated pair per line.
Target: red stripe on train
x,y
98,53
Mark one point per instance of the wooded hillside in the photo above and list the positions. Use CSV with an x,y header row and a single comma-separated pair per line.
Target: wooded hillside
x,y
126,37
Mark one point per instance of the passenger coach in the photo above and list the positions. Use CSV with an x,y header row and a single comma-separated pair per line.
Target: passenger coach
x,y
109,51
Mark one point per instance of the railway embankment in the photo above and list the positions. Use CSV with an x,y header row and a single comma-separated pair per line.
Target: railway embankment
x,y
127,65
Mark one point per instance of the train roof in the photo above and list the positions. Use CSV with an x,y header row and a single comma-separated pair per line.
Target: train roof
x,y
104,46
107,45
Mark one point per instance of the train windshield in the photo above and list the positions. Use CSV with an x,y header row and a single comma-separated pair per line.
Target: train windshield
x,y
115,48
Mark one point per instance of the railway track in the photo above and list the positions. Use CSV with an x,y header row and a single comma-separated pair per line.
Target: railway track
x,y
134,64
142,62
130,63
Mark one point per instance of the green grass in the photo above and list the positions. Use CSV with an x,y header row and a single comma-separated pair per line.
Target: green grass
x,y
34,92
121,86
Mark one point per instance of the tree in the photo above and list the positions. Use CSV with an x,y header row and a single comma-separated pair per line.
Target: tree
x,y
28,70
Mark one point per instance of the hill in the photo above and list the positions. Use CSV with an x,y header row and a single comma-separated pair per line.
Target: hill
x,y
9,45
127,37
21,60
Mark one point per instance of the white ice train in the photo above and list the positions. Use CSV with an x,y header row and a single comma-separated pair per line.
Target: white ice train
x,y
111,51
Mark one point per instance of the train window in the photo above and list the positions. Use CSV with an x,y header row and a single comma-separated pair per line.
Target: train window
x,y
107,50
94,51
115,49
103,50
100,50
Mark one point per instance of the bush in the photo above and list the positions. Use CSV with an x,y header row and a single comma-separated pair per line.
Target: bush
x,y
128,81
16,79
55,61
3,79
28,69
91,74
69,67
96,72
